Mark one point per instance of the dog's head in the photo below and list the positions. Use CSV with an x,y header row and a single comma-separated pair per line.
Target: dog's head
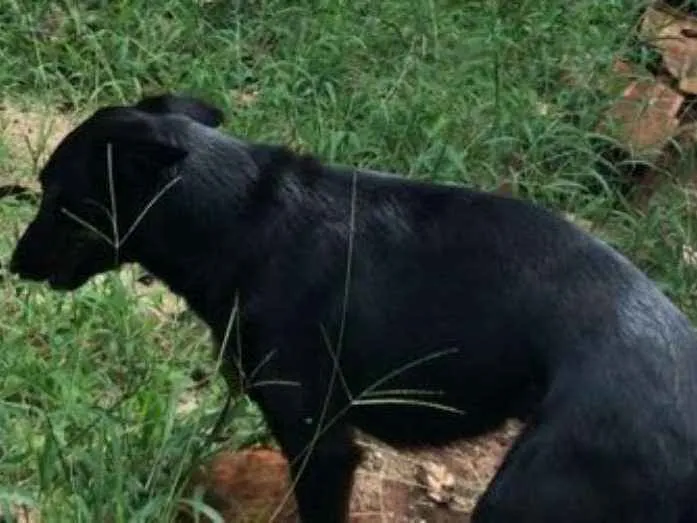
x,y
98,184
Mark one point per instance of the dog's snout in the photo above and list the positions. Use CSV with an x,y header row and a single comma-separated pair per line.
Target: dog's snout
x,y
11,267
14,266
28,259
26,266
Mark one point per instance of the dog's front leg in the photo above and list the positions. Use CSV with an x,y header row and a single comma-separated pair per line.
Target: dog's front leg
x,y
323,485
322,458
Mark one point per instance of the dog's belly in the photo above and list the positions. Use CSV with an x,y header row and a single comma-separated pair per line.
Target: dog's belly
x,y
413,419
407,395
406,425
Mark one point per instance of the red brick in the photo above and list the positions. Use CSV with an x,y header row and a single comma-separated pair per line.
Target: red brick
x,y
645,117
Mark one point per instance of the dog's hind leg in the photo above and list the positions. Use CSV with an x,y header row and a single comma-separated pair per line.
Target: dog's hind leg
x,y
554,474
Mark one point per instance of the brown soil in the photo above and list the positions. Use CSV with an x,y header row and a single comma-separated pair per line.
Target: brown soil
x,y
430,485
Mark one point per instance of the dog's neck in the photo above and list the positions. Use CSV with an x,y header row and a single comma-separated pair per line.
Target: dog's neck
x,y
216,217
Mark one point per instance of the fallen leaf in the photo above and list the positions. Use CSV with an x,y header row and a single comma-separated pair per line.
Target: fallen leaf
x,y
437,480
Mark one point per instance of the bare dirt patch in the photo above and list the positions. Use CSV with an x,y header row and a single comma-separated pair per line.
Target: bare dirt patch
x,y
439,485
435,485
20,514
29,135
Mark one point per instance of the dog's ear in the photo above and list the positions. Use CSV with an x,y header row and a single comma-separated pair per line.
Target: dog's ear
x,y
137,132
194,108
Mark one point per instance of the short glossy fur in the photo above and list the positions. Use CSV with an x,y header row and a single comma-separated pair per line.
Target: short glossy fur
x,y
442,298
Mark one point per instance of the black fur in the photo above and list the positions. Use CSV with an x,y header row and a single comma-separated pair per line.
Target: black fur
x,y
193,108
494,306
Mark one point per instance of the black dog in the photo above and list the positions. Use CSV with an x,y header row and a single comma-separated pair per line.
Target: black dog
x,y
416,312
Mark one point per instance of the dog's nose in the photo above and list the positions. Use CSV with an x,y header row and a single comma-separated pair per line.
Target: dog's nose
x,y
15,264
21,266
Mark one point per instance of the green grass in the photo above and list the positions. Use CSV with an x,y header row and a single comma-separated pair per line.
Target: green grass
x,y
469,93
